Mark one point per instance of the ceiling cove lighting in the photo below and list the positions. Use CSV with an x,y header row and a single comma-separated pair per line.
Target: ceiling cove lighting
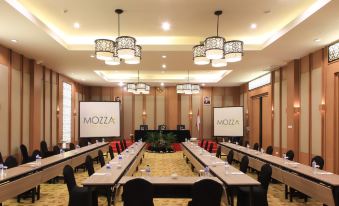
x,y
333,52
217,50
188,88
139,87
124,48
259,82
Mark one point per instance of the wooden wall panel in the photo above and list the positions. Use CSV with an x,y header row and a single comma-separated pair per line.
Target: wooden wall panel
x,y
4,110
207,115
304,106
196,104
128,116
276,110
172,105
217,101
185,110
160,110
15,103
267,139
150,100
316,91
26,102
284,113
138,109
47,109
54,108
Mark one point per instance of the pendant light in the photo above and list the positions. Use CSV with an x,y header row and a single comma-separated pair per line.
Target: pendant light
x,y
139,87
214,45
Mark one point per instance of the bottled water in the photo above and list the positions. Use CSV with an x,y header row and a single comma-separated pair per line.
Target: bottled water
x,y
38,160
207,171
62,151
103,140
226,167
148,170
1,169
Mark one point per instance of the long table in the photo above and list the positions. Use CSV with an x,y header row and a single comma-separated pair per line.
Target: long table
x,y
32,174
231,177
108,177
318,184
180,135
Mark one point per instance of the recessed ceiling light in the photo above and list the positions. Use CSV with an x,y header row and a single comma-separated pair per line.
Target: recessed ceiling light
x,y
162,84
121,84
166,26
203,84
164,56
253,26
317,40
76,25
83,79
92,56
163,66
14,40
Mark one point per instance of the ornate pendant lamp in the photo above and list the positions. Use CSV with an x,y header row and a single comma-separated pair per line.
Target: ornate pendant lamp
x,y
139,87
188,88
214,45
233,50
104,49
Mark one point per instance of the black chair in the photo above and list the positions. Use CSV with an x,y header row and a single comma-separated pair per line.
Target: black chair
x,y
11,162
125,143
143,127
259,192
218,153
89,165
290,155
230,157
244,164
101,158
269,150
319,161
24,153
206,145
162,127
180,127
138,192
78,195
202,143
210,148
256,146
117,147
202,195
111,153
71,146
1,160
35,154
56,150
246,143
44,150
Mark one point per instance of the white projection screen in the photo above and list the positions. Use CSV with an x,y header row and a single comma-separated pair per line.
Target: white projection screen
x,y
228,121
99,119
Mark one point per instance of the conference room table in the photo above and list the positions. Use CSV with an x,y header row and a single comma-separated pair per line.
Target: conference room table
x,y
170,186
109,175
180,135
32,174
318,184
230,176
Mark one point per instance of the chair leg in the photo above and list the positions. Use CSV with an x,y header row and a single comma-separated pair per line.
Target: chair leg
x,y
286,192
18,199
38,193
33,195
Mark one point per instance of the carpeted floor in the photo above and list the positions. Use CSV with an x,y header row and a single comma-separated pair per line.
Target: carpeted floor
x,y
161,165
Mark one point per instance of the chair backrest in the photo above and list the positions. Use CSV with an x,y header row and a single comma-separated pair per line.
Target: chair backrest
x,y
138,192
89,165
218,153
206,145
118,148
101,158
264,176
35,153
43,148
1,160
202,143
210,148
143,127
202,195
246,143
24,154
56,150
111,153
71,146
122,145
230,157
69,177
11,162
180,127
269,150
290,155
125,143
256,146
162,127
244,164
319,160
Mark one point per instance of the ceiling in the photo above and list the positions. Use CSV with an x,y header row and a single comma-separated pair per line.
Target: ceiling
x,y
286,29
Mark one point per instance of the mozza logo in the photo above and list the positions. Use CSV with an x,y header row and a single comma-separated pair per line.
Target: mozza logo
x,y
228,122
99,120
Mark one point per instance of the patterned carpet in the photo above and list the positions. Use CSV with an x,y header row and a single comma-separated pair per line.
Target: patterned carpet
x,y
161,165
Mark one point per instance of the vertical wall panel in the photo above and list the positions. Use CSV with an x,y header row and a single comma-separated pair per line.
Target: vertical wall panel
x,y
4,110
196,101
42,135
304,112
276,107
160,110
47,84
128,116
106,94
284,113
316,115
217,101
54,109
137,111
150,111
15,103
207,122
26,104
76,121
185,110
241,99
228,101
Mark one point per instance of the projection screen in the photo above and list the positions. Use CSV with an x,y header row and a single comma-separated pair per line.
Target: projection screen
x,y
99,119
228,121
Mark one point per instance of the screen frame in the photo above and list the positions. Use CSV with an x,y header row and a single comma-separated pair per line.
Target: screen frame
x,y
243,121
79,137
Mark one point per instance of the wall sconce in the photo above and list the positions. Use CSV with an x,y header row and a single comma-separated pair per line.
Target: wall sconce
x,y
144,113
322,107
57,110
296,110
74,113
190,114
